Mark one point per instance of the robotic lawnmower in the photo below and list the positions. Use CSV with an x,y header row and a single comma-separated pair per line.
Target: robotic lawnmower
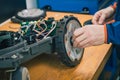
x,y
37,36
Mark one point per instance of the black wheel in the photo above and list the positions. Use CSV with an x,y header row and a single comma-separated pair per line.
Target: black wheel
x,y
88,22
69,55
21,74
31,14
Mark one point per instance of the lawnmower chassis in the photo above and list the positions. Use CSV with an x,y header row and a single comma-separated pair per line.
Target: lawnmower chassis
x,y
58,41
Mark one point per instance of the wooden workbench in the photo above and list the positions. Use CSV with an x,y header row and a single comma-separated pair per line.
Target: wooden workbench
x,y
48,67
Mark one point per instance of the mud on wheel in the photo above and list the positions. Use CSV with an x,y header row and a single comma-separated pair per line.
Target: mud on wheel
x,y
68,54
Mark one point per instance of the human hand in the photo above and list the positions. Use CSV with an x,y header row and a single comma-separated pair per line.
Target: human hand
x,y
89,35
101,16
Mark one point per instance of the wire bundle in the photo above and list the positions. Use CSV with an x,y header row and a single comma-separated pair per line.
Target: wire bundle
x,y
37,30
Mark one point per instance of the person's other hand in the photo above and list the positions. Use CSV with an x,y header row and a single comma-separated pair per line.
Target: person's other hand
x,y
101,16
89,35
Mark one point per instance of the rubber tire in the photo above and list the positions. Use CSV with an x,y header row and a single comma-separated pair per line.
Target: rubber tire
x,y
21,74
60,45
88,22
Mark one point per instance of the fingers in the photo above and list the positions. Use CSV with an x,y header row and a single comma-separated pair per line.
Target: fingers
x,y
88,36
77,33
84,43
102,19
96,18
78,40
99,18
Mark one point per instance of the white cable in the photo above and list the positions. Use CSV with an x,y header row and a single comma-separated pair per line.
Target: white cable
x,y
39,33
54,24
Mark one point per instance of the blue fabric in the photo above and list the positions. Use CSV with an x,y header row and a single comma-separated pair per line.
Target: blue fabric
x,y
114,31
117,15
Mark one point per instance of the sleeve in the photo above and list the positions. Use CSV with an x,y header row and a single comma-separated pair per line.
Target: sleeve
x,y
113,33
